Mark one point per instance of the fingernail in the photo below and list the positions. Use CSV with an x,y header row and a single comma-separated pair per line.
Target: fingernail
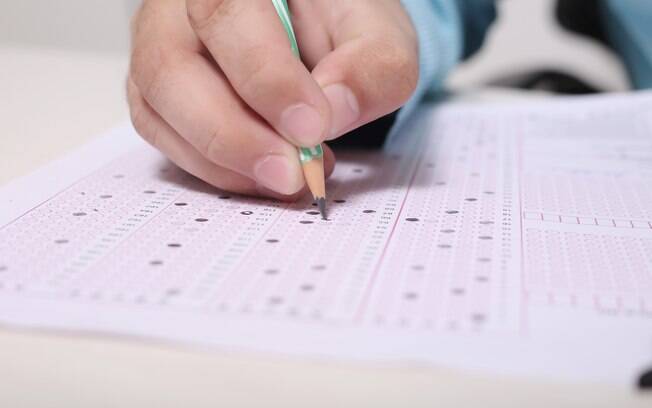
x,y
344,107
303,124
279,173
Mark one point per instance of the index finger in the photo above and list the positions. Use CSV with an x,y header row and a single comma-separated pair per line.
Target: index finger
x,y
249,43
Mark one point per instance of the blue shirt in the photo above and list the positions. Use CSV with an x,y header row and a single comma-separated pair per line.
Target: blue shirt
x,y
629,28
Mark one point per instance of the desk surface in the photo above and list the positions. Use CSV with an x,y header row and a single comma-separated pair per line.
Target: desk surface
x,y
53,101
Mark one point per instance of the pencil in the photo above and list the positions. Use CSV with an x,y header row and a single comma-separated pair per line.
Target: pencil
x,y
312,159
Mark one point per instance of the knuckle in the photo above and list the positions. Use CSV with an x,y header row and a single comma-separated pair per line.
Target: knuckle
x,y
265,75
152,70
142,125
397,66
137,64
215,148
142,17
252,79
408,73
203,13
141,115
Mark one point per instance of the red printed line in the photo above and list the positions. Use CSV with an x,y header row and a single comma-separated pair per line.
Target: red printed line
x,y
365,299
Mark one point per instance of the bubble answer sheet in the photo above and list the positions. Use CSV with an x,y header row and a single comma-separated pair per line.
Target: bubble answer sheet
x,y
514,239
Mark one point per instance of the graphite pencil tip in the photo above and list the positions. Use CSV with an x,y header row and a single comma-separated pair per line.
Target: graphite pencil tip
x,y
321,204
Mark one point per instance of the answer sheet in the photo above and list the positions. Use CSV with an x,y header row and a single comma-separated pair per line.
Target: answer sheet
x,y
514,239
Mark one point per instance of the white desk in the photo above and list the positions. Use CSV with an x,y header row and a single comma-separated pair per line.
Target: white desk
x,y
53,101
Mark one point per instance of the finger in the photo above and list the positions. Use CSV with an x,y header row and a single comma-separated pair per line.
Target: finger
x,y
329,167
160,135
249,43
198,102
373,69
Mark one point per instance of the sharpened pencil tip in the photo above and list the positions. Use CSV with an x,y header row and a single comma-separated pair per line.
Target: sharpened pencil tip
x,y
321,204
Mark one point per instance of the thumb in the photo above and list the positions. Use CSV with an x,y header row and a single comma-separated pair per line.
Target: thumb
x,y
373,69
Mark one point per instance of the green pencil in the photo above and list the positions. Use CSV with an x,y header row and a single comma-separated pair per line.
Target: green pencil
x,y
312,159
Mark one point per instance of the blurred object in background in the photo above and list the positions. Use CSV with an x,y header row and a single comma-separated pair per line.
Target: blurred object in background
x,y
79,25
528,47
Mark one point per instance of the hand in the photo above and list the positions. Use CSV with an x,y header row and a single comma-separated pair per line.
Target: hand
x,y
213,84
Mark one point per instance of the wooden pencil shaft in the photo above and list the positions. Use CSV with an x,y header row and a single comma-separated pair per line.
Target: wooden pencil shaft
x,y
313,171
